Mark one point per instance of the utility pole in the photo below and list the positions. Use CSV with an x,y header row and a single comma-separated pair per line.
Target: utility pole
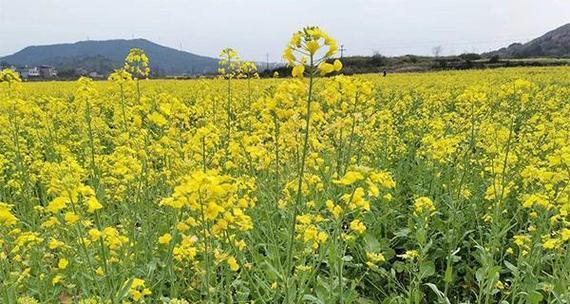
x,y
342,49
267,61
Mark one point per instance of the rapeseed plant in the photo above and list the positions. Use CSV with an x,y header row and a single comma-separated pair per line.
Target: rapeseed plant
x,y
445,187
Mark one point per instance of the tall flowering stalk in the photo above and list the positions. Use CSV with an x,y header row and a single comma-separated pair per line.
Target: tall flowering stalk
x,y
121,77
137,64
248,70
229,68
302,53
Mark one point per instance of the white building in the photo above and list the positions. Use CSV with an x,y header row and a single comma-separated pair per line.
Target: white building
x,y
34,72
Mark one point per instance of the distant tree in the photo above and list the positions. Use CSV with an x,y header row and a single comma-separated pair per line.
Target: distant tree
x,y
495,59
470,56
441,63
412,58
378,59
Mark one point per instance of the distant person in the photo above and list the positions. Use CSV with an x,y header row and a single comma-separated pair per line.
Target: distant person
x,y
385,73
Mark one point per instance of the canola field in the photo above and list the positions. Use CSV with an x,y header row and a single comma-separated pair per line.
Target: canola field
x,y
448,187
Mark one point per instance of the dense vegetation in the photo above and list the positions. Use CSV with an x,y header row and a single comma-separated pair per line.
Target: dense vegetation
x,y
416,188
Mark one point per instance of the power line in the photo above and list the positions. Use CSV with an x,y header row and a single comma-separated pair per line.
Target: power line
x,y
444,43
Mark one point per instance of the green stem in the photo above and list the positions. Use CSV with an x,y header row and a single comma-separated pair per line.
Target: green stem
x,y
277,186
351,137
123,108
289,267
206,236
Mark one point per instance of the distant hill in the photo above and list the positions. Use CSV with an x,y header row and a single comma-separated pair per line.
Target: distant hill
x,y
104,56
555,43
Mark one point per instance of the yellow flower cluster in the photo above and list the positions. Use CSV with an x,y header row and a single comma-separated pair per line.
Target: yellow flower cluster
x,y
7,219
303,49
137,289
136,64
213,208
423,205
10,76
230,63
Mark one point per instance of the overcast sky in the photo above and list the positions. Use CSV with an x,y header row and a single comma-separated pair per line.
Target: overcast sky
x,y
258,27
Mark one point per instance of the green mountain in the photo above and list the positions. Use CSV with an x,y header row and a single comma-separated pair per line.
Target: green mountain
x,y
555,43
104,56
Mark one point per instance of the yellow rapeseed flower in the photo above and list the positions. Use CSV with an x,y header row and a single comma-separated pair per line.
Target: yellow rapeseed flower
x,y
165,238
423,205
7,219
357,226
62,264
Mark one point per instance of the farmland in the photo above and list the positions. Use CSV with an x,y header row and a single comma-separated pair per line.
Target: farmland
x,y
448,187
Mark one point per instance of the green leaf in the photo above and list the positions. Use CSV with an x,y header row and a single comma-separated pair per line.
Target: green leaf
x,y
448,278
512,268
480,275
440,295
399,266
421,236
427,269
535,297
323,290
494,273
312,299
273,272
402,233
371,244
